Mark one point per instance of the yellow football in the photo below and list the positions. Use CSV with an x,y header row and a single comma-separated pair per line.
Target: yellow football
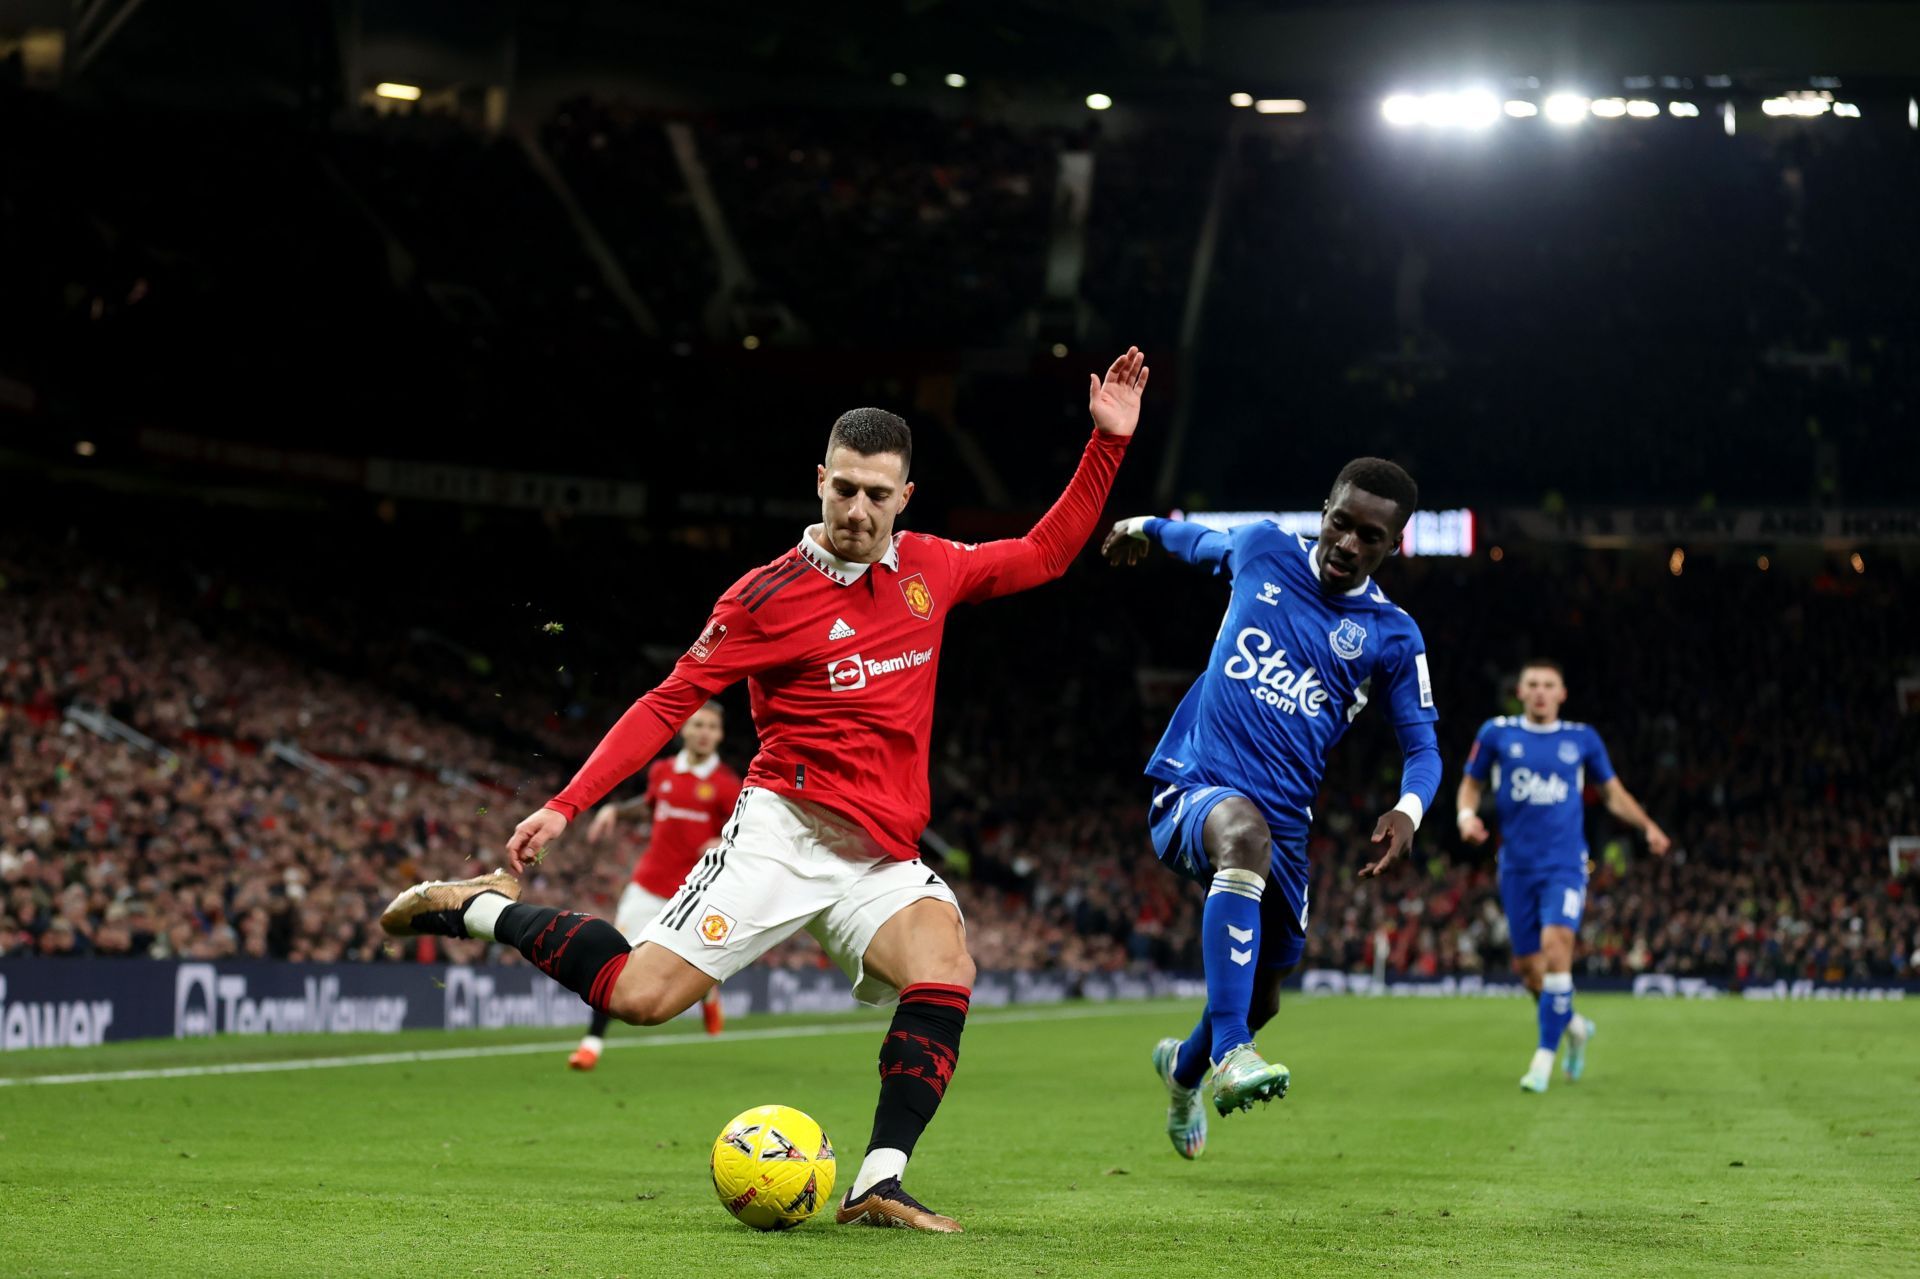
x,y
772,1167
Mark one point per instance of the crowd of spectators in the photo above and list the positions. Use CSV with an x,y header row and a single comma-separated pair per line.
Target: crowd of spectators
x,y
1780,790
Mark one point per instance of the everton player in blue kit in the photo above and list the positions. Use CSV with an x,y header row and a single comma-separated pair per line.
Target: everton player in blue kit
x,y
1307,642
1539,765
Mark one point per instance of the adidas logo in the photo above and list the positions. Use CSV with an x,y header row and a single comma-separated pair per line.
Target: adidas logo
x,y
840,630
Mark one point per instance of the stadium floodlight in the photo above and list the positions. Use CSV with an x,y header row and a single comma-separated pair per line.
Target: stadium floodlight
x,y
1098,102
1403,109
1565,108
1279,106
1726,117
1847,110
955,80
398,92
1521,110
751,342
897,79
1609,108
1641,110
1240,99
1682,110
1477,109
85,449
1804,105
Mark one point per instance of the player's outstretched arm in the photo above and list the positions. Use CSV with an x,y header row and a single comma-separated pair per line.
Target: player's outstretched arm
x,y
1127,542
629,746
1624,806
1019,564
1466,806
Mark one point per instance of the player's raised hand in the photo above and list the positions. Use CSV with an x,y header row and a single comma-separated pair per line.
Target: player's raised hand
x,y
603,824
1126,543
1115,403
1392,835
531,837
1657,841
1472,829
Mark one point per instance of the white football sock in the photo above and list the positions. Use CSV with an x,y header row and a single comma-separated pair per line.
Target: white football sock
x,y
482,913
593,1044
880,1164
1542,1059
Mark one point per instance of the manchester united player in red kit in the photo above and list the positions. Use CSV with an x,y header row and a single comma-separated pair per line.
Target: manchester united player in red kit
x,y
839,642
690,796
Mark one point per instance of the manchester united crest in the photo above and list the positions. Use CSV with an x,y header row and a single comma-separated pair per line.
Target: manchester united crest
x,y
919,598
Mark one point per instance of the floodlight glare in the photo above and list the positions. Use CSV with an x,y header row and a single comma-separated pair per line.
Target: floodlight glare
x,y
1643,110
1477,109
955,80
398,92
1682,110
1566,108
1522,110
1402,109
1098,102
1847,110
1609,108
1279,106
1240,99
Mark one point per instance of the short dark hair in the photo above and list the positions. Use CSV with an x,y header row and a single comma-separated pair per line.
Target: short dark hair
x,y
1545,664
1381,478
872,431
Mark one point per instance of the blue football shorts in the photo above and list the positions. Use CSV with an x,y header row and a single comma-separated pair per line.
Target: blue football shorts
x,y
1176,819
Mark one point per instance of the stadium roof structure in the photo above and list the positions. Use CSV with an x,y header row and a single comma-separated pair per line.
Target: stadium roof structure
x,y
694,53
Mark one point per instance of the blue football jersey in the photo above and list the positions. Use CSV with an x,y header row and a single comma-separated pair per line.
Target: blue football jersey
x,y
1291,668
1537,773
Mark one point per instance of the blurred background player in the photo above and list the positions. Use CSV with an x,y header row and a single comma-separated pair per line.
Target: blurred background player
x,y
1539,765
1307,641
690,797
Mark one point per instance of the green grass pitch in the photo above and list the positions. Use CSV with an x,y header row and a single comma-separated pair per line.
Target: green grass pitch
x,y
1708,1138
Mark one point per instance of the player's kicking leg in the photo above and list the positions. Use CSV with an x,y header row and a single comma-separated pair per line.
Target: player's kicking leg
x,y
637,909
1556,901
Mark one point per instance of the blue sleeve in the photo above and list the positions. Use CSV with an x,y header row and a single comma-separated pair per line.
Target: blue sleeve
x,y
1409,685
1194,543
1485,751
1599,767
1420,766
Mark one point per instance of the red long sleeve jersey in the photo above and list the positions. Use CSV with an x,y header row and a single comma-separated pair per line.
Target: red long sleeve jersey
x,y
841,661
690,805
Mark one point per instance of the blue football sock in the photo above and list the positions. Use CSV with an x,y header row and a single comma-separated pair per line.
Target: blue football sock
x,y
1230,947
1556,1009
1190,1067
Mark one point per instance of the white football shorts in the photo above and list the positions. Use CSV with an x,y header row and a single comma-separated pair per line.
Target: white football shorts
x,y
636,910
783,865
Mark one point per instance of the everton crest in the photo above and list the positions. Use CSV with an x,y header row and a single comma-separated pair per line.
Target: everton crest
x,y
1347,638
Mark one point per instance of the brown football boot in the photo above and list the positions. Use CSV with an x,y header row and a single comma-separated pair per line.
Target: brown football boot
x,y
437,907
886,1204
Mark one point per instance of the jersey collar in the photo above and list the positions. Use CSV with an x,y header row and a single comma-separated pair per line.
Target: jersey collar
x,y
1313,557
837,570
683,763
1532,727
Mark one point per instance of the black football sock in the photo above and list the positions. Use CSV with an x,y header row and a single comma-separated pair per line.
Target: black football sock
x,y
598,1026
582,952
917,1060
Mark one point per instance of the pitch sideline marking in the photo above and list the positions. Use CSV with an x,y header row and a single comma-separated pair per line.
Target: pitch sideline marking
x,y
521,1050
